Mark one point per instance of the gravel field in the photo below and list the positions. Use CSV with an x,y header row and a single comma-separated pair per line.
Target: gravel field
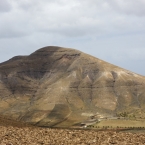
x,y
10,135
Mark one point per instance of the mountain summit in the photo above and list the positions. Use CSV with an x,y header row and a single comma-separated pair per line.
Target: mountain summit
x,y
57,86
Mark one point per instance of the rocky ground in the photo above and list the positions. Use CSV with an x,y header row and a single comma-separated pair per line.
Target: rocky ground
x,y
12,135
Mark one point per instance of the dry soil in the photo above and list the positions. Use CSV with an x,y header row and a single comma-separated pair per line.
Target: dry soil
x,y
12,135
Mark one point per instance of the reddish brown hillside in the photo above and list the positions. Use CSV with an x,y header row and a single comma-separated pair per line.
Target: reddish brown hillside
x,y
57,86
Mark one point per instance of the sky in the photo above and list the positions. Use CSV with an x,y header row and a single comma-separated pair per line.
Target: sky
x,y
112,30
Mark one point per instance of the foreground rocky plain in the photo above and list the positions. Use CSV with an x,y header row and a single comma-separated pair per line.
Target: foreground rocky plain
x,y
29,135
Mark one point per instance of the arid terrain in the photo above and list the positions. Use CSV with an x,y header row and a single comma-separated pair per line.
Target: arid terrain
x,y
56,88
13,135
60,87
16,133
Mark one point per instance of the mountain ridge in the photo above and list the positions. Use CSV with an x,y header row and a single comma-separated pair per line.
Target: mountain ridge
x,y
56,86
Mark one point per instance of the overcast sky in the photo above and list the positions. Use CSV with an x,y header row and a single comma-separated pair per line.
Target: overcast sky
x,y
112,30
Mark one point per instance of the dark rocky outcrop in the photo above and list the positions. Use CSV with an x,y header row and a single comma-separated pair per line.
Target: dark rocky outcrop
x,y
57,86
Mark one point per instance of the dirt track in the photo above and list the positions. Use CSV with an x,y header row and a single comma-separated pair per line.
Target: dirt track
x,y
43,136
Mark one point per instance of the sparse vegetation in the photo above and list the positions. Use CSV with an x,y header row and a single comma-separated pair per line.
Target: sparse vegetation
x,y
122,114
120,123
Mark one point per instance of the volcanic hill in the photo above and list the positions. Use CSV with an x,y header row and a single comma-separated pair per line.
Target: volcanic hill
x,y
57,86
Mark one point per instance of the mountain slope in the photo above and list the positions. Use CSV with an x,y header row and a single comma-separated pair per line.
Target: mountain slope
x,y
57,86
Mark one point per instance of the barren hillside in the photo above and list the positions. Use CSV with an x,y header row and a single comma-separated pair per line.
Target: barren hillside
x,y
57,86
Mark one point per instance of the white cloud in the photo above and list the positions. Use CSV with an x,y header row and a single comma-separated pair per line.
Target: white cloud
x,y
71,19
129,7
110,29
5,6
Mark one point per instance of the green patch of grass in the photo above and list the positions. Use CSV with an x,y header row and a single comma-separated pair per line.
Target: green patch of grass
x,y
120,124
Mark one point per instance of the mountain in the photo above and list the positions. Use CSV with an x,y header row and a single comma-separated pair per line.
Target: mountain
x,y
57,86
